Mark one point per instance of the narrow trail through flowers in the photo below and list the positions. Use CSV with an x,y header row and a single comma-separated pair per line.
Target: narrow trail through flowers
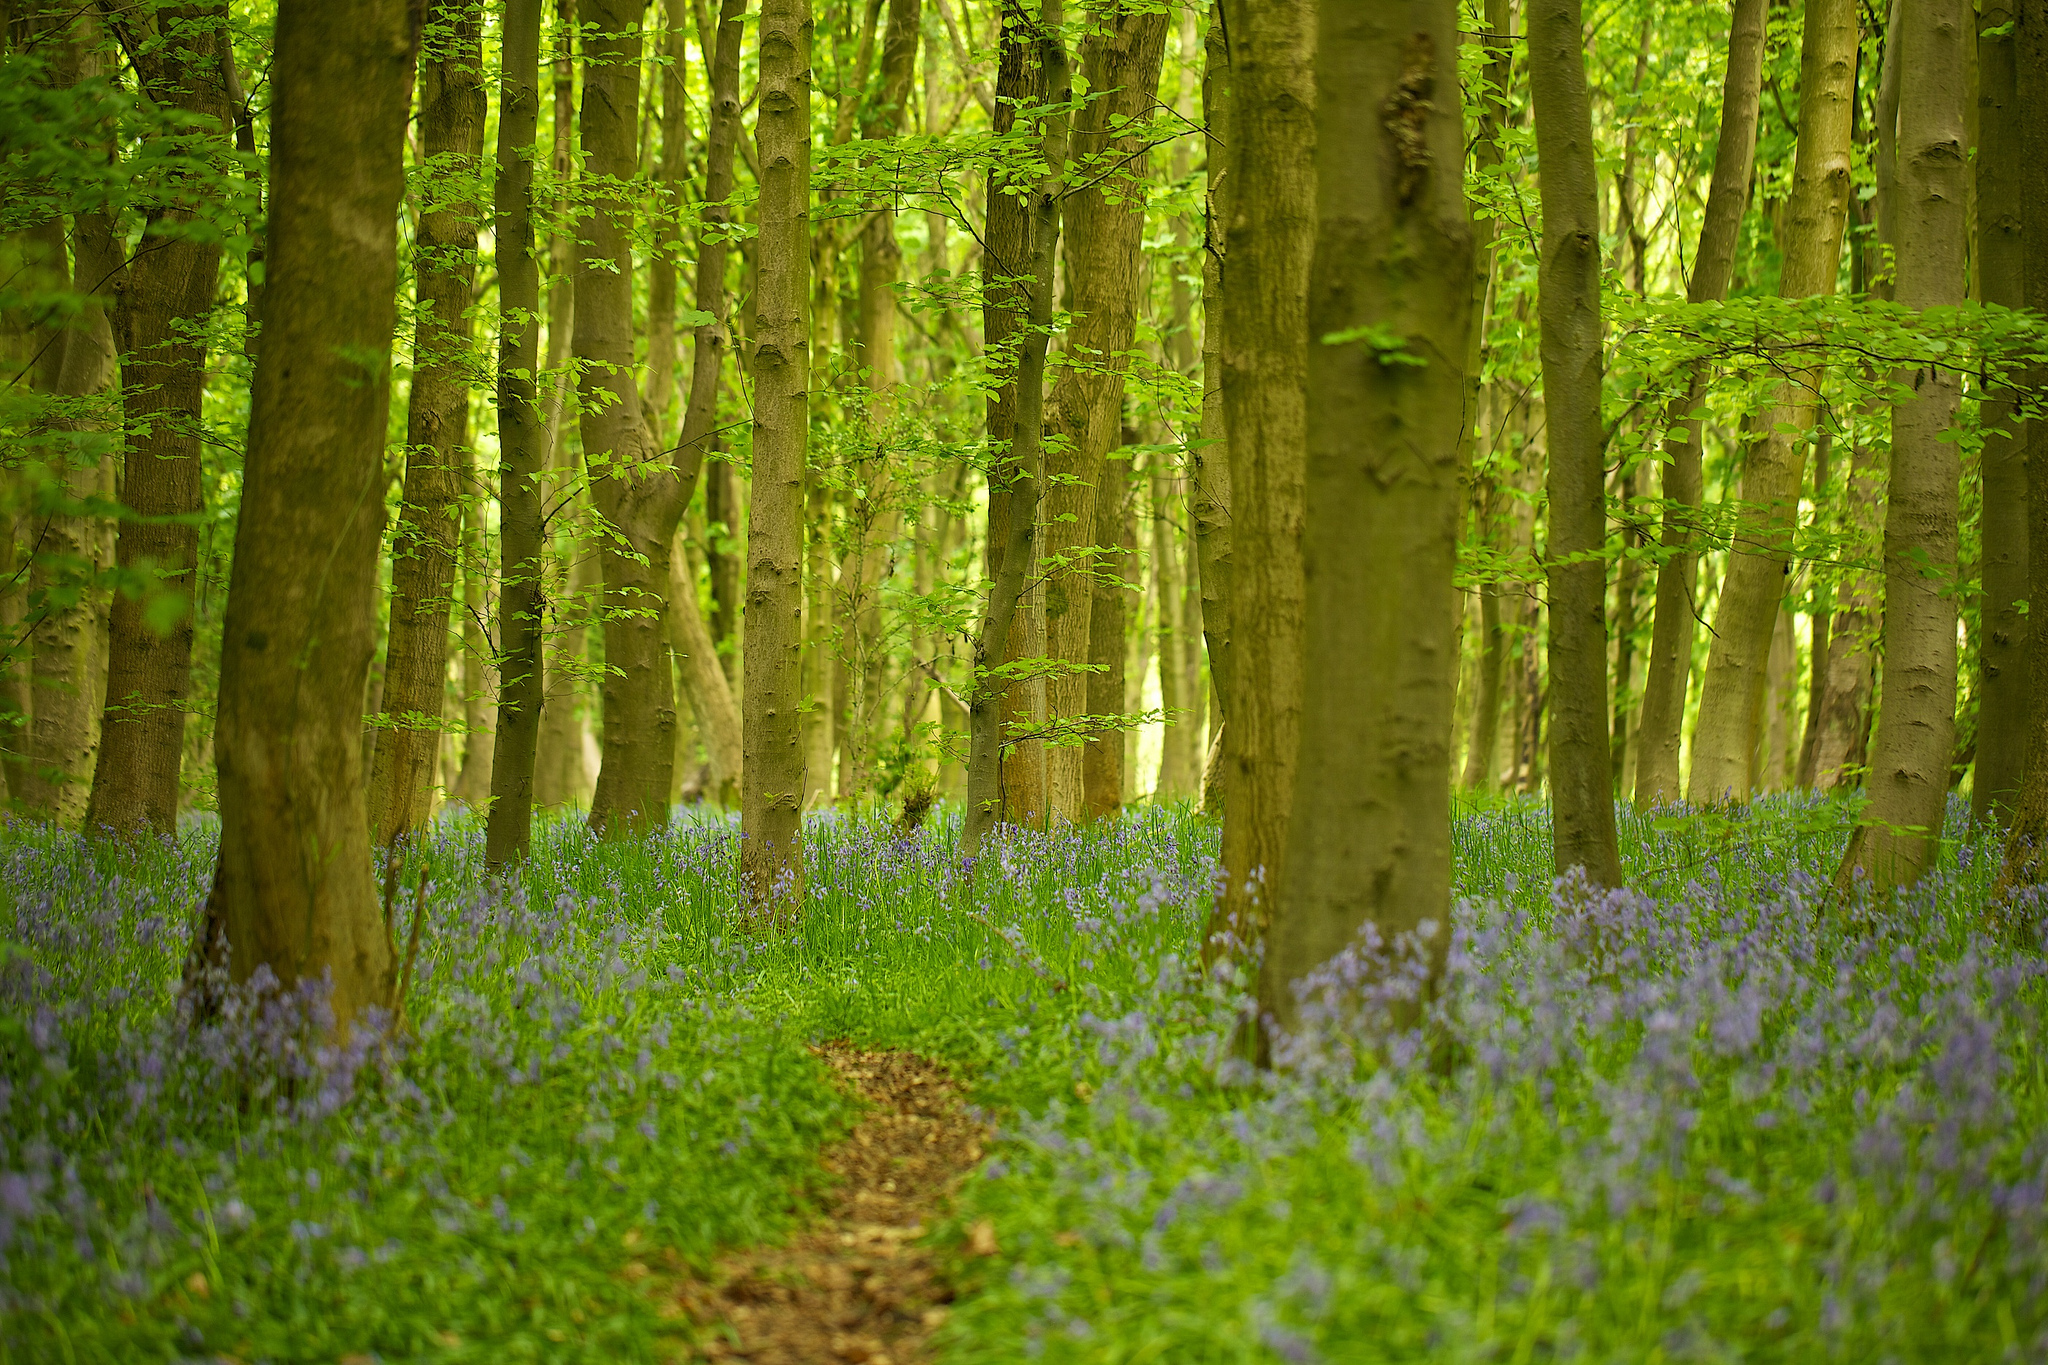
x,y
854,1286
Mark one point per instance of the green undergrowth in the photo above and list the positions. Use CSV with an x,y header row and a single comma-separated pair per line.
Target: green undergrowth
x,y
1716,1119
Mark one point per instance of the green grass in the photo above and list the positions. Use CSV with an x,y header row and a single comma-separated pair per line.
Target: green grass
x,y
1717,1120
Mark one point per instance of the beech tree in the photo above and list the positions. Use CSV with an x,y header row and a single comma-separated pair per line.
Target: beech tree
x,y
772,783
1582,813
294,890
1391,303
1731,698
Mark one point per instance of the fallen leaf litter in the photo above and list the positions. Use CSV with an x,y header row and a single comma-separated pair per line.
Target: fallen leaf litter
x,y
854,1286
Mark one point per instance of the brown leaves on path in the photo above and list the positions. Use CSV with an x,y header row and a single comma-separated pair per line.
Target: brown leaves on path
x,y
854,1286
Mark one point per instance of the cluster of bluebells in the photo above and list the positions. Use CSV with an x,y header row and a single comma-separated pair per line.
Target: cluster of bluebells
x,y
580,1078
1732,1115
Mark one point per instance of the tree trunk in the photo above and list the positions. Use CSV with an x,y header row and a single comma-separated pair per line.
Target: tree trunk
x,y
1105,232
1180,746
1900,837
294,890
1581,781
1369,841
166,296
772,780
1731,696
452,110
2002,690
522,447
1027,278
472,786
1102,757
561,774
636,492
1209,479
704,685
1271,233
2027,841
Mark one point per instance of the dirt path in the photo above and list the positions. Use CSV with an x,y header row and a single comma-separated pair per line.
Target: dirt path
x,y
853,1286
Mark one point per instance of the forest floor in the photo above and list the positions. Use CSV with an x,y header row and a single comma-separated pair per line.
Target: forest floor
x,y
1721,1115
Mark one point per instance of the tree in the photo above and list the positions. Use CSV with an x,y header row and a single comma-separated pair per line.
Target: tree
x,y
1899,837
1271,238
522,446
1581,791
75,366
706,683
1209,480
772,782
166,294
1671,631
2001,686
1033,244
1104,226
452,109
1732,694
293,890
1369,839
635,490
2026,844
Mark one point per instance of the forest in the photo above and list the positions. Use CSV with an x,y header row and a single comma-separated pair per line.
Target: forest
x,y
983,680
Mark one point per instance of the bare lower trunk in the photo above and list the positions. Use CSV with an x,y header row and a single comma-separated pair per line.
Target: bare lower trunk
x,y
1842,733
1102,757
772,782
301,610
704,685
477,679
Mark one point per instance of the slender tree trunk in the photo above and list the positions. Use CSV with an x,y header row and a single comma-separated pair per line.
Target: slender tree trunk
x,y
1209,479
722,515
1900,837
2027,840
1180,747
1842,744
1581,781
1104,224
2002,690
1842,735
478,679
1265,357
522,447
636,491
1480,768
167,294
704,684
561,772
772,781
1102,757
1029,274
1732,694
1369,841
301,613
452,110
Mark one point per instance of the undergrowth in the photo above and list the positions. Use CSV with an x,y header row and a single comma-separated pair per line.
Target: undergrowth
x,y
1717,1117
